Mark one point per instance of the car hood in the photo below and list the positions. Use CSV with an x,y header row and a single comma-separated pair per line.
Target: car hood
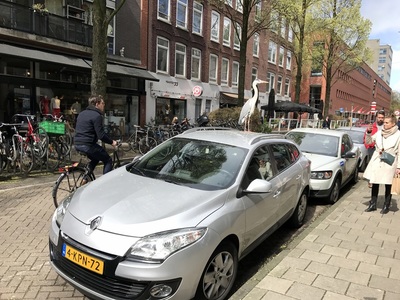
x,y
320,162
133,205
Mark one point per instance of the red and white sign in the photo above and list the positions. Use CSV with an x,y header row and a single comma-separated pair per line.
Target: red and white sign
x,y
373,106
397,113
197,91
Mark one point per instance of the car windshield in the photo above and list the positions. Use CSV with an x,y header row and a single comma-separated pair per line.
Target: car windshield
x,y
315,143
198,164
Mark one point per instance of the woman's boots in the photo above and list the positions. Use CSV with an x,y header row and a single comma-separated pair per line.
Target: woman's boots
x,y
386,205
372,204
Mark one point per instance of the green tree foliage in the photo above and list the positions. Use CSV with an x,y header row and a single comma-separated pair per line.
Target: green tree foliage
x,y
298,14
341,40
101,19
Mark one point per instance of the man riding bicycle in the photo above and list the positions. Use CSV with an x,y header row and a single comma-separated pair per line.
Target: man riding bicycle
x,y
89,129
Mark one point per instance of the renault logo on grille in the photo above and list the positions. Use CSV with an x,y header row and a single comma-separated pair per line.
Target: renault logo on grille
x,y
94,224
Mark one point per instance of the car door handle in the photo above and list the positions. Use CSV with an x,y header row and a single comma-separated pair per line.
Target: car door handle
x,y
298,177
276,194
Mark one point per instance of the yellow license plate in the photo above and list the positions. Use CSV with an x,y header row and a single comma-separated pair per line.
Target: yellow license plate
x,y
89,262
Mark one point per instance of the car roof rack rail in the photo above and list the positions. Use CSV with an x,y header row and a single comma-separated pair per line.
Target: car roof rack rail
x,y
267,136
195,129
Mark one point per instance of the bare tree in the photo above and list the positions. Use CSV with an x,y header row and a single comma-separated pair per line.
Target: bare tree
x,y
252,16
101,19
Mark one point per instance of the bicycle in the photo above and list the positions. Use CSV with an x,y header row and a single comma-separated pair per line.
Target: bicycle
x,y
113,131
15,150
78,174
140,140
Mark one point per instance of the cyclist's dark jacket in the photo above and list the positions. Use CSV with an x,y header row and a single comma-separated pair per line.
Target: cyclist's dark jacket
x,y
89,127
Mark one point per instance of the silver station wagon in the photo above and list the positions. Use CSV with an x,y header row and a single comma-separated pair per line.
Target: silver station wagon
x,y
174,223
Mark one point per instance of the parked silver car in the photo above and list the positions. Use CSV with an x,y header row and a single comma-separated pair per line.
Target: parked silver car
x,y
175,223
357,135
334,159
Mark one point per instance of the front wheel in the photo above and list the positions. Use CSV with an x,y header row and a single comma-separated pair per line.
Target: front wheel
x,y
68,182
220,273
334,195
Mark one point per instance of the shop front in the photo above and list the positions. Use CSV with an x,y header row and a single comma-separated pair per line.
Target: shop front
x,y
29,84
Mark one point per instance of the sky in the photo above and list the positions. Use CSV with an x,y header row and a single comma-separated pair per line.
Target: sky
x,y
385,18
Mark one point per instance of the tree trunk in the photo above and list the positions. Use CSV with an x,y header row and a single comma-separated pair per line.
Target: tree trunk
x,y
99,49
299,73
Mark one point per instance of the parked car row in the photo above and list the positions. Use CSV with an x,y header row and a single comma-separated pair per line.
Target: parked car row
x,y
174,223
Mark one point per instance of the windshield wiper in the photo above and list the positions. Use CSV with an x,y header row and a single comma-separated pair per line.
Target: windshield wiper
x,y
138,171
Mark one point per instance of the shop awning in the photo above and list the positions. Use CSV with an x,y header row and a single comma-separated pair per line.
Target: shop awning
x,y
134,72
229,98
42,55
73,61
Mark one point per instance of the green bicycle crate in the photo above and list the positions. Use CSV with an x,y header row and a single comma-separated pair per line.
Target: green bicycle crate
x,y
53,127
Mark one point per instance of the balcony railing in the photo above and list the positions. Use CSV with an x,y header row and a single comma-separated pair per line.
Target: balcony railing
x,y
25,19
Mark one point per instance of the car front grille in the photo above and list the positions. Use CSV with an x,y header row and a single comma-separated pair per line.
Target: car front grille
x,y
112,287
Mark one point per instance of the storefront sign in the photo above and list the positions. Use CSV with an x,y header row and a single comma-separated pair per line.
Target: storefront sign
x,y
197,91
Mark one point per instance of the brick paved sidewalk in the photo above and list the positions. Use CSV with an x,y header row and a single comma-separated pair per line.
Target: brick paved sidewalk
x,y
349,254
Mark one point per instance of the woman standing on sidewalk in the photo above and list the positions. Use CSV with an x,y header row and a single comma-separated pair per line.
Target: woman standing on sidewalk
x,y
378,172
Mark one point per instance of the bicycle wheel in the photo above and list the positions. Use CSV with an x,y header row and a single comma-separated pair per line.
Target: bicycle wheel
x,y
127,145
64,144
68,182
144,146
25,156
40,142
53,156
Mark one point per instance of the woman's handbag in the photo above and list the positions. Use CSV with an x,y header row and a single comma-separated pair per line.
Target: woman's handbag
x,y
396,185
387,158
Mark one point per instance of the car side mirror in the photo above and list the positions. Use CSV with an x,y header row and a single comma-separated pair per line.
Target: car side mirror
x,y
257,186
349,155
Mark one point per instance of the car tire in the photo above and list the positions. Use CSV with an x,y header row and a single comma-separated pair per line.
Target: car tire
x,y
354,178
219,274
363,165
335,190
299,214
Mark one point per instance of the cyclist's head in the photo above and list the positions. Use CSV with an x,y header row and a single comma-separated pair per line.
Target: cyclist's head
x,y
97,101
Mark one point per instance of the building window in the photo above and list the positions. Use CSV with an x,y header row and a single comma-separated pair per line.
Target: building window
x,y
181,13
290,35
180,60
213,68
283,28
215,26
256,44
227,32
271,81
288,60
272,52
279,85
239,6
225,71
287,85
235,74
238,36
229,2
258,11
208,106
196,64
162,55
197,26
281,56
254,72
163,10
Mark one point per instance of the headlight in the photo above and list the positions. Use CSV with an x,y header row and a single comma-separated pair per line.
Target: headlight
x,y
321,175
62,209
157,247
